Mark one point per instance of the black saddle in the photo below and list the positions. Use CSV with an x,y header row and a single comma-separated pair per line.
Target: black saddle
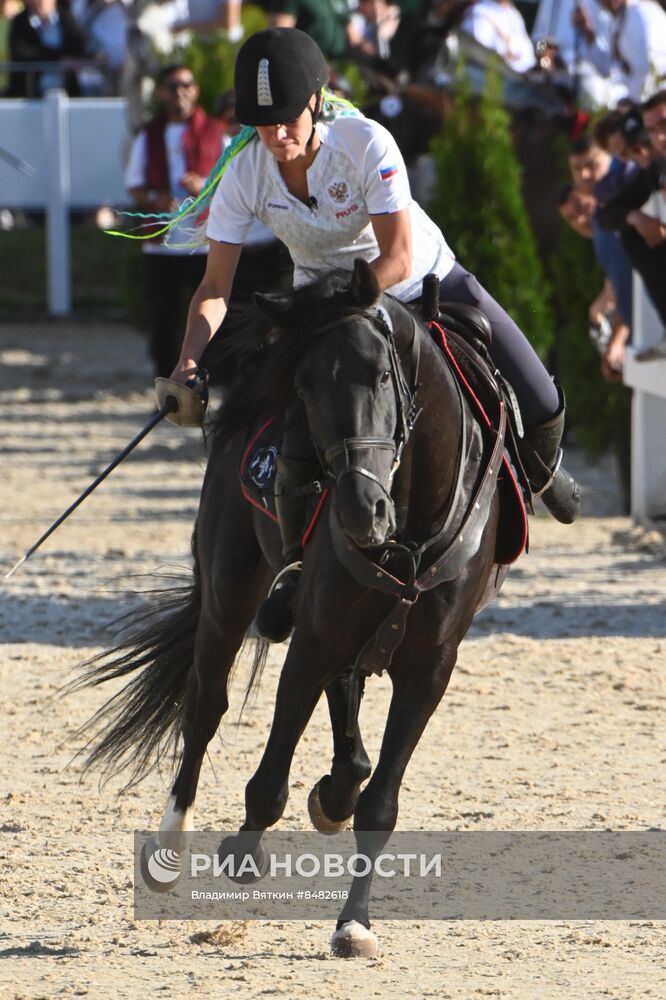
x,y
469,322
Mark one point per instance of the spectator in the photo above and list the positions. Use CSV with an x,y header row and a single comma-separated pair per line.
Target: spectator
x,y
169,160
105,24
45,31
578,208
642,235
636,57
609,134
327,21
654,120
205,16
636,138
498,25
590,165
554,25
375,22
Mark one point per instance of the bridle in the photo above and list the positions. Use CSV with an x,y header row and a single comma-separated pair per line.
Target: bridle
x,y
405,397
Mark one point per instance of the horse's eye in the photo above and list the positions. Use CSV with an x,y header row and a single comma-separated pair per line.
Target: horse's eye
x,y
300,392
385,379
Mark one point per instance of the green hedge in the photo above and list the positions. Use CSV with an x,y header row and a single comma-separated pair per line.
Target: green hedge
x,y
479,206
212,59
104,271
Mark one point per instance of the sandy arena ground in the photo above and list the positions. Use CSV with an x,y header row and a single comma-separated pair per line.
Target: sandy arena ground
x,y
554,720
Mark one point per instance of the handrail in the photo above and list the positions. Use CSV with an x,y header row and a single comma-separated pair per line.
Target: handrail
x,y
68,64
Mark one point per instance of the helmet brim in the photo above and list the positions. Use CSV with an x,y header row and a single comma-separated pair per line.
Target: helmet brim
x,y
269,116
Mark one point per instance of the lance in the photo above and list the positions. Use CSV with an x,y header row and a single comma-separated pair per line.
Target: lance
x,y
16,163
184,405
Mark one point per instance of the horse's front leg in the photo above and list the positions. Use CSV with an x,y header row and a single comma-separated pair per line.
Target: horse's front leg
x,y
304,675
333,799
267,792
307,669
417,691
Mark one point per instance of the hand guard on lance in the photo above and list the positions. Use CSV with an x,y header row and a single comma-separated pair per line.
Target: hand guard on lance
x,y
191,398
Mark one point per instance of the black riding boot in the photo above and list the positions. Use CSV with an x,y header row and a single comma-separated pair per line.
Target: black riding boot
x,y
273,619
541,456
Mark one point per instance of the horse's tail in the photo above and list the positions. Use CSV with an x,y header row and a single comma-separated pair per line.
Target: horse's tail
x,y
140,723
259,656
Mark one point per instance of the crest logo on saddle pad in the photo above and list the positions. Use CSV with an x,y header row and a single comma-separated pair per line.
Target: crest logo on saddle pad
x,y
339,192
262,466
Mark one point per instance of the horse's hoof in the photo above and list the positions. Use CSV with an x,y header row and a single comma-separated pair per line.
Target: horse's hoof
x,y
160,867
353,940
248,866
320,820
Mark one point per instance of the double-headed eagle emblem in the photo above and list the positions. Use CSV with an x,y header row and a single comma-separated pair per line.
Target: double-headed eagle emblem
x,y
339,192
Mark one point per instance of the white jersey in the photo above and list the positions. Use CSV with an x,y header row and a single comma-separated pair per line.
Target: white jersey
x,y
636,58
358,172
500,27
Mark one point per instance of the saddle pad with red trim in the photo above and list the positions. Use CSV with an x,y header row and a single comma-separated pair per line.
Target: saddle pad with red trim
x,y
512,534
257,474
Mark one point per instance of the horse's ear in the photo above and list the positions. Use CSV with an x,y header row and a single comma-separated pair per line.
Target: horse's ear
x,y
364,285
273,305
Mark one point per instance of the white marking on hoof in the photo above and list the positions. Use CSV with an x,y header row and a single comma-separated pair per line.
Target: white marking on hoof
x,y
320,820
353,940
175,826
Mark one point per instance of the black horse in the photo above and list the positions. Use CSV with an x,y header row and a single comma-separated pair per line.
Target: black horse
x,y
413,510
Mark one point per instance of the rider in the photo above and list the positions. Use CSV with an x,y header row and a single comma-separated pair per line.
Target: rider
x,y
332,185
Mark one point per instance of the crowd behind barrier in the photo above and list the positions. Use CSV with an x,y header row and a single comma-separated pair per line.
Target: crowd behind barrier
x,y
600,65
602,50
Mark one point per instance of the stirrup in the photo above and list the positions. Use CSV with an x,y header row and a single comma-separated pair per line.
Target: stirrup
x,y
562,496
553,473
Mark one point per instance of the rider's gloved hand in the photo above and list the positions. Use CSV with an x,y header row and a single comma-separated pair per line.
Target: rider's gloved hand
x,y
199,383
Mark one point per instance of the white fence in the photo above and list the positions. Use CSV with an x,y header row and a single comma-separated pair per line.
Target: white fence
x,y
74,150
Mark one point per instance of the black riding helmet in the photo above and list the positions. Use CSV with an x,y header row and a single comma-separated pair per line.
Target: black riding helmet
x,y
277,72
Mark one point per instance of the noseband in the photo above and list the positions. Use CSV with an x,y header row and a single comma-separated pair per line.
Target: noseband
x,y
405,396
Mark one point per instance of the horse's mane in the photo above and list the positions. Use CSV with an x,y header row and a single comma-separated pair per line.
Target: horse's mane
x,y
265,370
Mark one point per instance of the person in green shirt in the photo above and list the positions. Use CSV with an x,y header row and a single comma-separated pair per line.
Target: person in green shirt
x,y
327,21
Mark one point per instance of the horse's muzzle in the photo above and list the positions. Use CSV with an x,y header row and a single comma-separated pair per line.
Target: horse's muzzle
x,y
365,510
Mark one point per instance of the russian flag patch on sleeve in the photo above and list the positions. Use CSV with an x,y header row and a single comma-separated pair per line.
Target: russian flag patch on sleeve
x,y
386,172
